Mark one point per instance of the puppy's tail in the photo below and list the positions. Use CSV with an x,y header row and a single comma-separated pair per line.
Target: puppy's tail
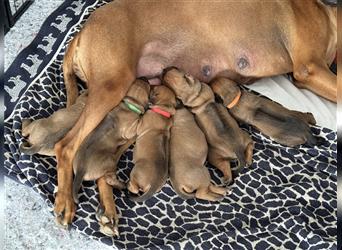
x,y
79,176
69,74
151,191
29,149
79,166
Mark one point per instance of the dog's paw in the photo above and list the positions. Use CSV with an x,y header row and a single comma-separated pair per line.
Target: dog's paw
x,y
64,210
108,222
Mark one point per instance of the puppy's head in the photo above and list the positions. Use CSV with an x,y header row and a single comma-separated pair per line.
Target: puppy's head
x,y
188,89
225,90
184,85
139,93
164,98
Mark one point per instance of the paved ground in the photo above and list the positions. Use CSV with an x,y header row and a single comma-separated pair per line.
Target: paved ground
x,y
29,224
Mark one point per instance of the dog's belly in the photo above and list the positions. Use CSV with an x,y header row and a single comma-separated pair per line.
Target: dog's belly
x,y
237,61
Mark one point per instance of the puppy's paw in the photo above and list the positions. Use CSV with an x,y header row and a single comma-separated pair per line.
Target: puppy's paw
x,y
212,193
108,222
112,180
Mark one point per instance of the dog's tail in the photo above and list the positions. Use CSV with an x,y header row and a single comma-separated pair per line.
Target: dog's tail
x,y
157,184
69,74
29,149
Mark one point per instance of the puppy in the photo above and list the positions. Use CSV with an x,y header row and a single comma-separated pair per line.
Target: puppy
x,y
43,134
285,126
99,153
151,151
226,140
188,153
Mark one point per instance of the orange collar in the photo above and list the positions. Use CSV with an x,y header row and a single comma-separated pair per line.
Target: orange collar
x,y
161,112
235,100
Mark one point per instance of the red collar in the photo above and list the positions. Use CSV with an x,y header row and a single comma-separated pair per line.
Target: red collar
x,y
161,112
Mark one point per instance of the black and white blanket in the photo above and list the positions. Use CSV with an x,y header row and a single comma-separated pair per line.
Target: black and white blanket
x,y
286,200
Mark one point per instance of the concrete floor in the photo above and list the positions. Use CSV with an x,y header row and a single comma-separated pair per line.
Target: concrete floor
x,y
29,224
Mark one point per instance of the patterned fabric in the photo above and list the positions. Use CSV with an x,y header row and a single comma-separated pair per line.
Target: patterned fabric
x,y
285,200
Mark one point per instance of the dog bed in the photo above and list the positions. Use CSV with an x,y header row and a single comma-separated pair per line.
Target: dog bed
x,y
287,199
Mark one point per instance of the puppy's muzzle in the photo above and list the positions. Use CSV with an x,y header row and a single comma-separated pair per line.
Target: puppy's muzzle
x,y
143,78
167,70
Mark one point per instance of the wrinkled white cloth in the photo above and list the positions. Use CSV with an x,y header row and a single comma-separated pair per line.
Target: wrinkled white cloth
x,y
283,91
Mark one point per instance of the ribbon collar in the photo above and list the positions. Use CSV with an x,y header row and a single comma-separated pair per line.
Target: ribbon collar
x,y
133,107
235,100
161,112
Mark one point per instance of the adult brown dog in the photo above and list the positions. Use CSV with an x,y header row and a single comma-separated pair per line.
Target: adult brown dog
x,y
288,127
226,140
151,150
241,40
188,152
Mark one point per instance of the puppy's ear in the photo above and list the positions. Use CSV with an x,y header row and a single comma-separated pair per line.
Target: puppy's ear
x,y
152,95
218,98
179,104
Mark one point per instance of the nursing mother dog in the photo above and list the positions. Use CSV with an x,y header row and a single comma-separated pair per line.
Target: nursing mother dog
x,y
239,40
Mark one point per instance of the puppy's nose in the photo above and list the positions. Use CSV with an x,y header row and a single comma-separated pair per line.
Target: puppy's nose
x,y
143,78
168,69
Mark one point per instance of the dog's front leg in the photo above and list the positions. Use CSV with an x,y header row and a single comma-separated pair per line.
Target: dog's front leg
x,y
106,214
103,97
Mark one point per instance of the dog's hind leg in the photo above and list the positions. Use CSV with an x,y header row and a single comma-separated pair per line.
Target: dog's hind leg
x,y
221,164
318,78
106,215
103,96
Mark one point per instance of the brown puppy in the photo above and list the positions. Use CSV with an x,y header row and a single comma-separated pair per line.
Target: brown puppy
x,y
151,151
285,126
99,153
188,153
118,44
226,140
43,134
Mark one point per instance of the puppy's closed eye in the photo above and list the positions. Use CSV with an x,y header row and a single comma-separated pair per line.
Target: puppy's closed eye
x,y
179,104
218,98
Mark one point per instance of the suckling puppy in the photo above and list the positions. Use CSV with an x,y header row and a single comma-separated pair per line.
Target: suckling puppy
x,y
285,126
100,151
151,151
188,153
43,134
226,140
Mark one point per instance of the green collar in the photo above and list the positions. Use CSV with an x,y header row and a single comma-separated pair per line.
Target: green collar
x,y
133,107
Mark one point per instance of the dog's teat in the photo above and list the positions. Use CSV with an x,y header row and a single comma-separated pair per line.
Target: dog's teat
x,y
206,70
242,63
